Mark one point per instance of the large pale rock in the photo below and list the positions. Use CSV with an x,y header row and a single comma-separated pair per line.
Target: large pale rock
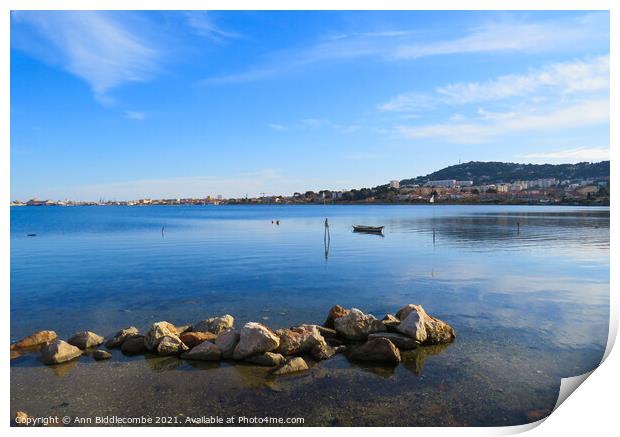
x,y
171,345
255,339
35,340
227,341
214,324
268,359
401,341
299,339
205,351
377,349
356,325
417,324
335,312
293,365
158,331
85,340
134,345
59,351
122,335
192,339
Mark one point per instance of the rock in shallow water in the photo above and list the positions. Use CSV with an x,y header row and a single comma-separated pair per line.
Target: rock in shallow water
x,y
205,351
293,365
134,345
85,340
335,312
158,331
35,340
417,324
401,341
322,352
269,359
255,339
118,338
100,355
299,339
170,345
356,325
192,339
59,351
215,325
378,350
227,341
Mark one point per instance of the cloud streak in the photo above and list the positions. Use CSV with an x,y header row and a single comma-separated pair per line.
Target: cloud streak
x,y
394,45
579,114
99,47
577,154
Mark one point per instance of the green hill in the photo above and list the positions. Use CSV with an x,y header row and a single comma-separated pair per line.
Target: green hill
x,y
497,172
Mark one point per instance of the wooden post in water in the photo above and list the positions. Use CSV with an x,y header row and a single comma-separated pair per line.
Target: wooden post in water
x,y
326,238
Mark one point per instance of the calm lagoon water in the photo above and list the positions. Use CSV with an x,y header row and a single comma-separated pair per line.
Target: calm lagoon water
x,y
530,305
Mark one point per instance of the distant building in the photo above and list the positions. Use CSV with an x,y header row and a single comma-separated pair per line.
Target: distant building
x,y
502,188
336,194
395,184
464,183
447,183
219,197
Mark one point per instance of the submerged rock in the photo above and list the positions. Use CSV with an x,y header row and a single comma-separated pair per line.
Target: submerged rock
x,y
269,359
85,340
101,355
417,324
59,351
215,325
299,339
205,351
377,350
356,325
170,345
401,341
335,312
158,331
37,339
118,338
227,341
192,339
255,339
293,365
134,345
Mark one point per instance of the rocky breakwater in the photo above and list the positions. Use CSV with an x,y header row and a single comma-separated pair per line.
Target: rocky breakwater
x,y
360,336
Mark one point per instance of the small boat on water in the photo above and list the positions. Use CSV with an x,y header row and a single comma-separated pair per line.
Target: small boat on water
x,y
369,229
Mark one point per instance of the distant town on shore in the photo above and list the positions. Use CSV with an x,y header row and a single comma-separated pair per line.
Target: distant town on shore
x,y
468,183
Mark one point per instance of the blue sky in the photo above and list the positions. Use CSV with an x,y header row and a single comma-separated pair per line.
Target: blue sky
x,y
123,105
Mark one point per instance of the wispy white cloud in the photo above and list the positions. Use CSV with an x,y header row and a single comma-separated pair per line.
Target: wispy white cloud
x,y
135,115
509,36
566,77
577,154
578,114
566,34
316,123
202,24
560,78
102,48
